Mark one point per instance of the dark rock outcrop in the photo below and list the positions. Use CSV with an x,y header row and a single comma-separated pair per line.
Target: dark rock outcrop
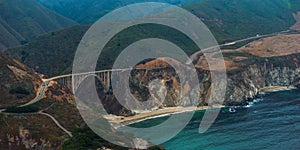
x,y
243,84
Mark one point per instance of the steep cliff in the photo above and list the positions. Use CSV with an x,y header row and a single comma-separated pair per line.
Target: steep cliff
x,y
248,71
247,82
243,83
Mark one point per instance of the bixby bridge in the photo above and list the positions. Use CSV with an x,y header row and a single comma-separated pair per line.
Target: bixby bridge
x,y
104,76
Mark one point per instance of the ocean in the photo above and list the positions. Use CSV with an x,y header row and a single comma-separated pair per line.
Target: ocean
x,y
270,122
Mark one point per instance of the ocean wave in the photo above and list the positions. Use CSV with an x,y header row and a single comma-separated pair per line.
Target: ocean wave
x,y
250,104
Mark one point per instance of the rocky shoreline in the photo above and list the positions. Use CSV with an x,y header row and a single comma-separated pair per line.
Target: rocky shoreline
x,y
145,115
247,78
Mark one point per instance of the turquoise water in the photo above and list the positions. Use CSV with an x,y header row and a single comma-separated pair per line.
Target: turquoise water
x,y
272,122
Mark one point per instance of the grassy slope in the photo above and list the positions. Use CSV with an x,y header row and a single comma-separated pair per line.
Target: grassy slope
x,y
236,19
53,53
22,20
228,20
94,9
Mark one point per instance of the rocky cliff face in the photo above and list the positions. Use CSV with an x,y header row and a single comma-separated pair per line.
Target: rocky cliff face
x,y
244,84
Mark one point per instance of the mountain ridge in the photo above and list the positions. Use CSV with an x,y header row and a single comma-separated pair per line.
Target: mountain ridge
x,y
76,9
228,20
24,20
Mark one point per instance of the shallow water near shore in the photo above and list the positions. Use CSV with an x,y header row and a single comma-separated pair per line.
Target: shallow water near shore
x,y
272,122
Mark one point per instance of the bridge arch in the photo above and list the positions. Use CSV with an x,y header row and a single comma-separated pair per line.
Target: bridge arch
x,y
105,79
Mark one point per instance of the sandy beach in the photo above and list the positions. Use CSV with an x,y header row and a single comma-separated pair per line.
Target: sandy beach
x,y
147,114
121,120
277,88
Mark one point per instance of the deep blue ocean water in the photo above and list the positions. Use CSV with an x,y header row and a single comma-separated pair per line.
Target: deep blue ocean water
x,y
272,122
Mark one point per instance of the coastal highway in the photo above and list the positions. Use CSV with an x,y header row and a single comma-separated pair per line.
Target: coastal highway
x,y
38,97
45,84
216,48
94,72
39,94
207,50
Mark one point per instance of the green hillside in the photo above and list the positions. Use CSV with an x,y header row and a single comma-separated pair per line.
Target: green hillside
x,y
228,19
89,11
237,19
23,20
52,54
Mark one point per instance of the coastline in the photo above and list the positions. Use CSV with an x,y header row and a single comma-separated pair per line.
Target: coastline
x,y
121,120
118,121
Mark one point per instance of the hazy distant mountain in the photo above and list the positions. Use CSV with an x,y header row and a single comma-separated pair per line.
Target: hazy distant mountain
x,y
53,53
22,20
228,19
89,11
236,19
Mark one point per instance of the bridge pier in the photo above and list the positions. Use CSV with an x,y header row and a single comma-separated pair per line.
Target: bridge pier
x,y
66,81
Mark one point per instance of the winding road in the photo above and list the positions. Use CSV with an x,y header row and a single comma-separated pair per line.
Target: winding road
x,y
45,84
39,94
217,48
57,123
38,97
45,114
210,49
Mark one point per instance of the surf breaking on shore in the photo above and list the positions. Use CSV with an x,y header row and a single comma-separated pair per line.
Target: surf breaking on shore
x,y
118,121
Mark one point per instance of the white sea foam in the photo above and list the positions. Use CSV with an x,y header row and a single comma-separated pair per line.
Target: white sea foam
x,y
250,104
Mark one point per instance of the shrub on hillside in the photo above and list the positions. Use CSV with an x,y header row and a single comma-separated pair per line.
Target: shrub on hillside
x,y
27,109
19,90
